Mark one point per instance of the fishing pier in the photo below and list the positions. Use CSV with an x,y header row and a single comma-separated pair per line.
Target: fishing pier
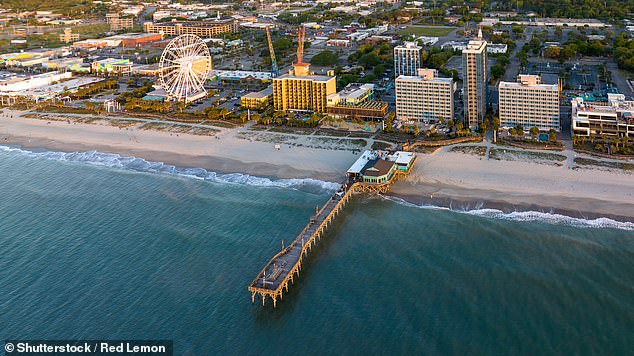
x,y
373,172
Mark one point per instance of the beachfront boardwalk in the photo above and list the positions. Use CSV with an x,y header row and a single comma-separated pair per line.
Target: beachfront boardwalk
x,y
370,173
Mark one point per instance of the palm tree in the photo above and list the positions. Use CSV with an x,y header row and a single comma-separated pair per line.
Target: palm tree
x,y
534,131
496,127
484,126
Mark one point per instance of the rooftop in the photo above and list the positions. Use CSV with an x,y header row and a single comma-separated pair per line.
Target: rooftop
x,y
239,74
320,78
259,94
196,23
377,168
415,78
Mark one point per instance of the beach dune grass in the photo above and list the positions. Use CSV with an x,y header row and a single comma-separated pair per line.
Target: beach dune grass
x,y
586,162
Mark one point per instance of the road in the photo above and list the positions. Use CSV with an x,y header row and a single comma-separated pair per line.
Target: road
x,y
619,78
513,68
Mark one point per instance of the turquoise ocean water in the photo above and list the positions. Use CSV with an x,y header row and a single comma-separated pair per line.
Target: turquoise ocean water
x,y
98,246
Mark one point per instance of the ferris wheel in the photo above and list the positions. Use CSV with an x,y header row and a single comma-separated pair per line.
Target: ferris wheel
x,y
184,67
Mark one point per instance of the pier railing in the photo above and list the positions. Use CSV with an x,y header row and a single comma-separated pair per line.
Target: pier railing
x,y
286,265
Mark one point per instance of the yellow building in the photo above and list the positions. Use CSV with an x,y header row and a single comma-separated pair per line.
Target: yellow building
x,y
257,100
302,91
199,28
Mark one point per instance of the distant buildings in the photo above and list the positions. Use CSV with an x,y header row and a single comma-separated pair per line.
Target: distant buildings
x,y
338,43
455,45
41,86
128,40
492,48
556,22
529,103
10,82
407,59
474,81
118,23
68,36
149,70
198,28
239,75
428,41
614,118
111,65
495,48
302,91
424,97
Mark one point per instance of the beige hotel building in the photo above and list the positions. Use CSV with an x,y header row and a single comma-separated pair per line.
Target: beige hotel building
x,y
529,103
424,97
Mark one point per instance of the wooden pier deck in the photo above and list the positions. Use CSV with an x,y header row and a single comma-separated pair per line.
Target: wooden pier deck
x,y
286,265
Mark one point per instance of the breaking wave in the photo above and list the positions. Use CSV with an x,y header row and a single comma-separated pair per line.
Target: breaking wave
x,y
141,165
543,217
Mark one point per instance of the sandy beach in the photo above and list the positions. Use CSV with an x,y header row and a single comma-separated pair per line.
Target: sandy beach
x,y
446,177
229,151
466,181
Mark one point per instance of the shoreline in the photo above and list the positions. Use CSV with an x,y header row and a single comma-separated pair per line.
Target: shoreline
x,y
442,179
458,202
216,164
464,205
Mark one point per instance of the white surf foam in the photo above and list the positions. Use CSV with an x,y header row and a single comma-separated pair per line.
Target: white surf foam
x,y
544,217
141,165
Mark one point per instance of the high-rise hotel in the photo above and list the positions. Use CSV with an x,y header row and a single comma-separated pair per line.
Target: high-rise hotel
x,y
424,97
407,59
474,81
302,91
529,103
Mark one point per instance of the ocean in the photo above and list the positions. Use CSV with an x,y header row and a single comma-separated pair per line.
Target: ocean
x,y
98,246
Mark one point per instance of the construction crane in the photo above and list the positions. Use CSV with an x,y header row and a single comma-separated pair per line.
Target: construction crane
x,y
301,34
275,71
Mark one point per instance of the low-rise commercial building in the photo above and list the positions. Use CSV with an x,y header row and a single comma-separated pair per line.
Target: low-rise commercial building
x,y
529,103
257,100
111,65
379,167
150,70
10,82
557,22
355,101
614,118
